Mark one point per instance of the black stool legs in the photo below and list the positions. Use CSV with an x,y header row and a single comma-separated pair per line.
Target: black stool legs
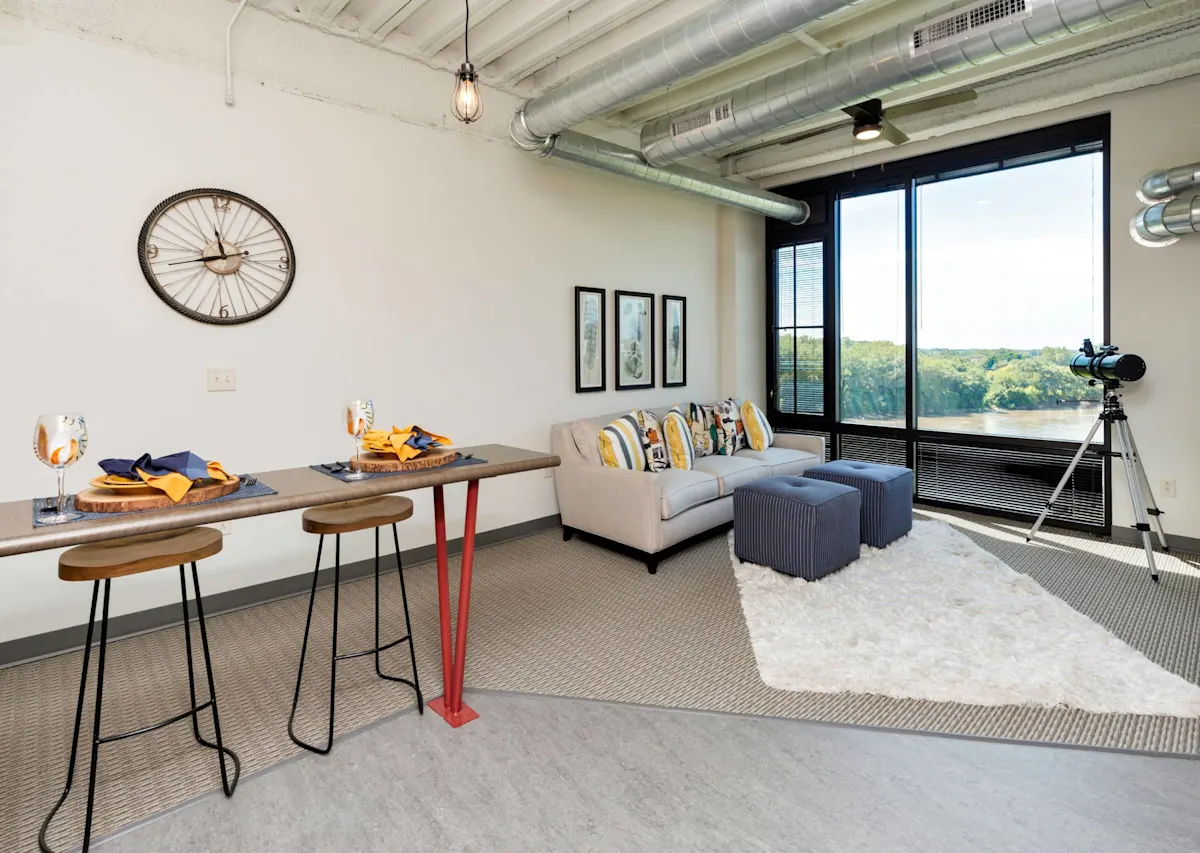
x,y
376,650
97,740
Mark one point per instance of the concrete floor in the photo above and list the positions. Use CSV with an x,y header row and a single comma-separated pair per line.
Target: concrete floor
x,y
537,773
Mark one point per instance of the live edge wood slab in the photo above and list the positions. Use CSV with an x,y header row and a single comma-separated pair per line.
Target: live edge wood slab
x,y
297,488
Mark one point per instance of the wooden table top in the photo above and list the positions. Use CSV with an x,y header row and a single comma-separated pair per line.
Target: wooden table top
x,y
297,488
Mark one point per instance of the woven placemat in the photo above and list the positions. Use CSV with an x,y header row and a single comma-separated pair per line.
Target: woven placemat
x,y
47,506
329,469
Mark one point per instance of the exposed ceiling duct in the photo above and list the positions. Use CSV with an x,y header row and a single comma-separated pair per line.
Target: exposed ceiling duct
x,y
589,151
941,43
1167,183
702,41
1164,223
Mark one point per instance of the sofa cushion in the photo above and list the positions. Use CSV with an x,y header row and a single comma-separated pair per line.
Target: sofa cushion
x,y
585,434
781,460
732,471
682,489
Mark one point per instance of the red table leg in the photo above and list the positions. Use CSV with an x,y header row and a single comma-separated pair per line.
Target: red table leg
x,y
450,706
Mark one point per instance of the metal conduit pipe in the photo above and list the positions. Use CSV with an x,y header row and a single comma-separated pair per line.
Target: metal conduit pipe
x,y
1164,184
874,66
589,151
702,41
1164,223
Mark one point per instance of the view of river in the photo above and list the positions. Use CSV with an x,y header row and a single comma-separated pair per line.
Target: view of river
x,y
1062,423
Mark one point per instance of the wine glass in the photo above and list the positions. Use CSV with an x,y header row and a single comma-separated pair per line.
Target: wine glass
x,y
59,441
360,417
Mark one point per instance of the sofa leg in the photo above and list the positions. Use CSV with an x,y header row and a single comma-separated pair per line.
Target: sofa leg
x,y
567,532
652,566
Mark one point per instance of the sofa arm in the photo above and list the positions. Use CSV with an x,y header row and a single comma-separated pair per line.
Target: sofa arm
x,y
813,444
621,505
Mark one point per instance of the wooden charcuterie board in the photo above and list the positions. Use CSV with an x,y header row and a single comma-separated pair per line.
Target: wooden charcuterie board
x,y
111,500
386,463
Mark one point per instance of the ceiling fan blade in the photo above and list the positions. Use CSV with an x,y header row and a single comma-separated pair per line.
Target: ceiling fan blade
x,y
893,134
933,103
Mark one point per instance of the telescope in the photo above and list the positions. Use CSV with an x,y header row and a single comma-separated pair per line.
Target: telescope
x,y
1106,364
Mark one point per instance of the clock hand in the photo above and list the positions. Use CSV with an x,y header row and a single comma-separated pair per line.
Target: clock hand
x,y
208,258
220,243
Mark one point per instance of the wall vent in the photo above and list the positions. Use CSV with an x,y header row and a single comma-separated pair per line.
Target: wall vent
x,y
721,113
966,22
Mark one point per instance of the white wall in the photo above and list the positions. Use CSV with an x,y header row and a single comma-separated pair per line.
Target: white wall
x,y
435,272
1155,293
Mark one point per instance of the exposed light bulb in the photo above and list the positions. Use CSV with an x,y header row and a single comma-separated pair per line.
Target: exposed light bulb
x,y
468,103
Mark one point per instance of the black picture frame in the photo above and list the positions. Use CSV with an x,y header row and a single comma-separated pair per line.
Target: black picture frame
x,y
643,359
667,342
600,340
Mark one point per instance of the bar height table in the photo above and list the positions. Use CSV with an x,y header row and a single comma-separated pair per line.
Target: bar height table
x,y
300,488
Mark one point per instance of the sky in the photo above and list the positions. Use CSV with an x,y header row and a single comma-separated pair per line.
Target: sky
x,y
1012,258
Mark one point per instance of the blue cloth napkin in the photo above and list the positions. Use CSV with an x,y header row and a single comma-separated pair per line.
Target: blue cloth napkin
x,y
185,462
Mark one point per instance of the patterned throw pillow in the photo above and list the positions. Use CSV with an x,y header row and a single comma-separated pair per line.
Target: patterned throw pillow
x,y
652,441
758,429
730,435
621,444
679,439
704,429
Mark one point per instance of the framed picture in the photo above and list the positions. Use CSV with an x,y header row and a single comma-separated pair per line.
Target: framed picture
x,y
635,340
589,340
674,314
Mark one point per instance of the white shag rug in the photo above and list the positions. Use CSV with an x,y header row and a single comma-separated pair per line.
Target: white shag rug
x,y
934,616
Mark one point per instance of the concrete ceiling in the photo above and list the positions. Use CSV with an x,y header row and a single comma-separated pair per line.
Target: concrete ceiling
x,y
527,47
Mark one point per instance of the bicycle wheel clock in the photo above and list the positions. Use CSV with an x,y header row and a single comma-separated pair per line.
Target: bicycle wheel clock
x,y
216,256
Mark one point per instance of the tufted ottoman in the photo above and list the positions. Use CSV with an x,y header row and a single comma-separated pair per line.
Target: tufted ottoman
x,y
887,492
801,527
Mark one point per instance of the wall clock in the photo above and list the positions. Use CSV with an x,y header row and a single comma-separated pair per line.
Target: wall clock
x,y
216,256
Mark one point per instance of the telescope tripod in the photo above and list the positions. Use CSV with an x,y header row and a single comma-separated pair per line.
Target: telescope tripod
x,y
1140,495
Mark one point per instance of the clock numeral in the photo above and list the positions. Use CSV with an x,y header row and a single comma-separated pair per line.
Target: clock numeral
x,y
224,310
152,251
284,262
221,203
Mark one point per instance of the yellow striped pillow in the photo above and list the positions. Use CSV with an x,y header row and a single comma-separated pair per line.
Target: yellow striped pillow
x,y
758,429
679,439
621,444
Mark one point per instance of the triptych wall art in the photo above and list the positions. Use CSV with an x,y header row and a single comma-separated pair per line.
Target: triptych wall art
x,y
633,340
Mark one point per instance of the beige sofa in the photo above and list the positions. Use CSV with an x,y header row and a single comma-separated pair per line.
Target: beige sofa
x,y
654,514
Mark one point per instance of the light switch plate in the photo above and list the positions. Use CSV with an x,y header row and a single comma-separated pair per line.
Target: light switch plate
x,y
222,379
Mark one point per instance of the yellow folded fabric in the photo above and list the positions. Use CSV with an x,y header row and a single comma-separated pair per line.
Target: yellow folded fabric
x,y
396,441
177,485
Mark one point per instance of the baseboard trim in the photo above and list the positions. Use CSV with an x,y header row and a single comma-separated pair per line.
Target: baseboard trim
x,y
1129,536
26,649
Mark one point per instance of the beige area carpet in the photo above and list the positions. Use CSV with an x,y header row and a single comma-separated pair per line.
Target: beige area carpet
x,y
550,617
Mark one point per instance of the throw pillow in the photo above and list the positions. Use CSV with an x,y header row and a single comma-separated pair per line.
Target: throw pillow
x,y
652,441
758,429
704,429
621,444
679,439
730,435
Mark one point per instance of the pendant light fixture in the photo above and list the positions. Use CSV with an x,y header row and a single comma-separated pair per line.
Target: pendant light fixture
x,y
467,105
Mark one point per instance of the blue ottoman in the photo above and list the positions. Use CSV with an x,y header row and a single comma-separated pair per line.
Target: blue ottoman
x,y
887,492
801,527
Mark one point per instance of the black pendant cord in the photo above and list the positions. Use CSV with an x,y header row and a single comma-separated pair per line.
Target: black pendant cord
x,y
467,34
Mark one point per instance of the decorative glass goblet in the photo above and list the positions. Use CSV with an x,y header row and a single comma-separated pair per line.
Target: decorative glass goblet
x,y
59,441
360,417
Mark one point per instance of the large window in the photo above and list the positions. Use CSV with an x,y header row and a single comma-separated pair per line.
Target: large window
x,y
926,314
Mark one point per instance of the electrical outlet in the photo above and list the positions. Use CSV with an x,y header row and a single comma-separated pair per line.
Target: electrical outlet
x,y
547,473
222,379
225,527
1167,488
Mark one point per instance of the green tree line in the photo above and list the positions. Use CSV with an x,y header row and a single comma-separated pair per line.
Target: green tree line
x,y
948,381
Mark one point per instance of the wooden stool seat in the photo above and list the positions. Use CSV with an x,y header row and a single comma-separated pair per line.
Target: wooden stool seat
x,y
361,514
135,554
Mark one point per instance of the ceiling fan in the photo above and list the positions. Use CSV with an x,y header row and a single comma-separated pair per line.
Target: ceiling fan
x,y
872,121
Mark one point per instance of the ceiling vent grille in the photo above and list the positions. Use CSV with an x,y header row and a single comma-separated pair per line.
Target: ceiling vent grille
x,y
721,113
969,21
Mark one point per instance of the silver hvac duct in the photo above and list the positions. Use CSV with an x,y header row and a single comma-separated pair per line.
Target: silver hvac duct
x,y
589,151
1164,223
702,41
940,43
1167,183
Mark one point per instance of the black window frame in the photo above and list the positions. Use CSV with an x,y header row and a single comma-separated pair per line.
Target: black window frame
x,y
822,195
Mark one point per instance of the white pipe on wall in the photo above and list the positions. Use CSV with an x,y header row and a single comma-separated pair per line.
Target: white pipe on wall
x,y
229,53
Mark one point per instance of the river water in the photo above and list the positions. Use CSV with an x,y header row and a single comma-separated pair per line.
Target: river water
x,y
1064,423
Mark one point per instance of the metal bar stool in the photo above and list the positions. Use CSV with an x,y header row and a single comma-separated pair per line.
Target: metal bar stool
x,y
334,520
130,556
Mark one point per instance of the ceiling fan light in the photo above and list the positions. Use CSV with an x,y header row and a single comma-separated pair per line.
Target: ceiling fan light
x,y
866,130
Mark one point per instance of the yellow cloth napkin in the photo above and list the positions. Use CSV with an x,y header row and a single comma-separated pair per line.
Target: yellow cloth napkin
x,y
177,485
396,441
